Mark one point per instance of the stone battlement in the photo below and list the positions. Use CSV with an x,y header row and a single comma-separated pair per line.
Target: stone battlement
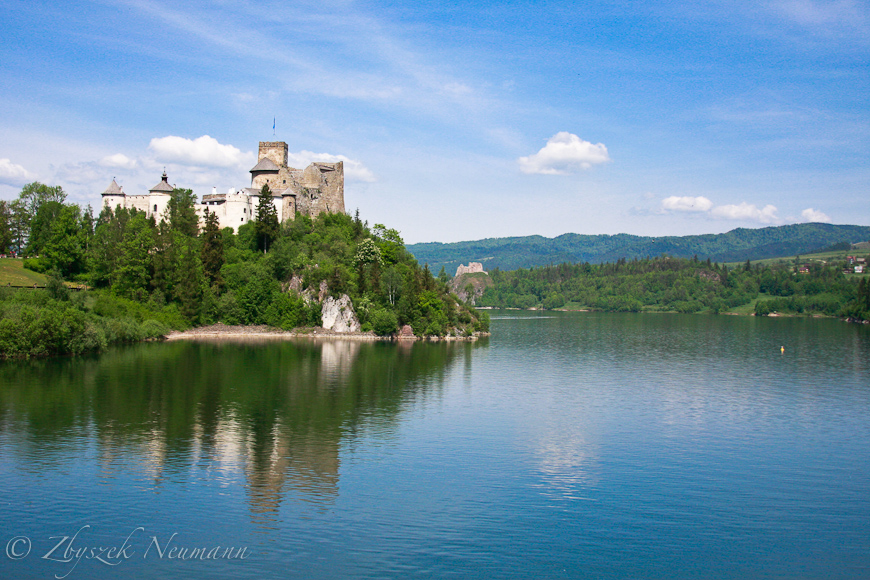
x,y
471,268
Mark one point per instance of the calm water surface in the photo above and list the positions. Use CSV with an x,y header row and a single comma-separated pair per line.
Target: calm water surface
x,y
568,445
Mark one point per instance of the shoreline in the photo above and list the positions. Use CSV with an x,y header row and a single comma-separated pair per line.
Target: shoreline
x,y
223,331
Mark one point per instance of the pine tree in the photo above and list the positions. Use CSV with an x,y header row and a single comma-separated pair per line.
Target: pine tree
x,y
5,227
212,252
181,212
267,220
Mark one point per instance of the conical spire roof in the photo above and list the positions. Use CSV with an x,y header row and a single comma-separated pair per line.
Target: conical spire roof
x,y
113,189
163,186
265,164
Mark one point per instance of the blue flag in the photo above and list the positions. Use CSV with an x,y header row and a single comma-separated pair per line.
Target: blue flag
x,y
273,123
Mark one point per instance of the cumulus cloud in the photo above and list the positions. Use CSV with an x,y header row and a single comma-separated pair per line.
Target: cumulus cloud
x,y
118,160
564,153
203,151
741,212
13,174
812,215
687,203
354,170
746,211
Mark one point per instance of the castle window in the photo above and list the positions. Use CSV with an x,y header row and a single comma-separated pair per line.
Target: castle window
x,y
243,219
155,207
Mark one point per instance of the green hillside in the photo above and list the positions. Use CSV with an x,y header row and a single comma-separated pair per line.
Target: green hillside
x,y
13,273
735,246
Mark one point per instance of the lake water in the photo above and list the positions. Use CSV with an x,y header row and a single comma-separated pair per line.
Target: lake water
x,y
567,445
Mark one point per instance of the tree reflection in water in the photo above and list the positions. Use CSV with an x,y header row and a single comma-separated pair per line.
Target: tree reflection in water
x,y
274,415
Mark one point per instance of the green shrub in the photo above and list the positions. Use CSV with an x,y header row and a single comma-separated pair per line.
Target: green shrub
x,y
384,322
35,264
154,329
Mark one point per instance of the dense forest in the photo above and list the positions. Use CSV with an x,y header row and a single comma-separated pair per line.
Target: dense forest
x,y
734,246
683,285
147,277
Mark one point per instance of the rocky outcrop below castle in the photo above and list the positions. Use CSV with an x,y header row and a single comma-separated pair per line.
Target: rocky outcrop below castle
x,y
338,315
470,286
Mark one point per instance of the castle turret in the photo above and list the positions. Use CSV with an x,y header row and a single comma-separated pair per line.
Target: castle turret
x,y
265,173
114,195
162,188
159,197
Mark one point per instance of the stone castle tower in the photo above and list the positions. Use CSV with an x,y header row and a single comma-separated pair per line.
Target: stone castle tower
x,y
317,189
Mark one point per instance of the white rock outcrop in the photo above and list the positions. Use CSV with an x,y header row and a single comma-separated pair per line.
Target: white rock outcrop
x,y
338,315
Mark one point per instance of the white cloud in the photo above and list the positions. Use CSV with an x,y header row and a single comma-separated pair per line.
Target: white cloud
x,y
564,153
202,151
118,160
13,174
746,211
353,169
687,203
825,13
813,215
455,88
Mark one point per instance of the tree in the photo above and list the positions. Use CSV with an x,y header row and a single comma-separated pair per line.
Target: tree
x,y
5,227
443,275
181,211
391,284
64,249
33,195
188,285
212,251
367,252
19,225
41,224
267,226
390,243
133,261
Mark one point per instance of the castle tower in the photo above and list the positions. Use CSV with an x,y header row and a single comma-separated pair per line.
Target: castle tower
x,y
274,150
162,187
265,172
159,197
114,195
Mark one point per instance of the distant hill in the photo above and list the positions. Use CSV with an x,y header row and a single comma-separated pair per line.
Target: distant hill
x,y
736,245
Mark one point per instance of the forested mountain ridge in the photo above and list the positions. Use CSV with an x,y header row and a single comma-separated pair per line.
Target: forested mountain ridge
x,y
735,246
665,284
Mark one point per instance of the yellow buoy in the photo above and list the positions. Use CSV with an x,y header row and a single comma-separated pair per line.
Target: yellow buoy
x,y
782,349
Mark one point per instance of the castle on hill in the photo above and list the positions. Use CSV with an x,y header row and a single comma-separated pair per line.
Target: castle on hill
x,y
311,191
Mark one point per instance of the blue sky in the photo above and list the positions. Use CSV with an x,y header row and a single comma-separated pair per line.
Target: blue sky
x,y
457,121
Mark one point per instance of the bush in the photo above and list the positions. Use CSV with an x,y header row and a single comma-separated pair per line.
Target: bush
x,y
384,322
35,264
55,286
482,323
154,329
